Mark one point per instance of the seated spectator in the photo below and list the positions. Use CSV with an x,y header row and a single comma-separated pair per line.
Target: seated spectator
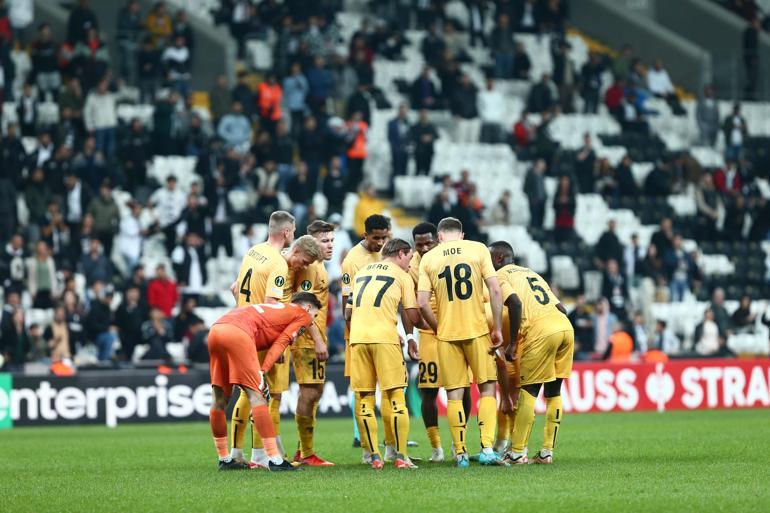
x,y
298,190
664,237
613,98
91,59
106,216
185,318
162,292
625,177
659,182
743,319
128,319
57,336
736,132
491,107
197,348
100,321
177,60
189,261
26,110
41,277
235,128
659,84
521,63
591,82
37,195
721,317
463,105
707,117
95,265
664,340
89,164
156,333
14,342
707,335
542,96
727,180
680,268
633,117
582,321
267,189
534,188
500,213
524,133
608,246
639,334
149,70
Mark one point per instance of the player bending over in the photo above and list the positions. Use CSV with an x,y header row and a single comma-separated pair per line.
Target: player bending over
x,y
233,341
546,356
375,347
455,273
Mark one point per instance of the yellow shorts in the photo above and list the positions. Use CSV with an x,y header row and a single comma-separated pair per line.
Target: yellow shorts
x,y
428,375
347,359
307,369
455,357
547,358
377,363
278,376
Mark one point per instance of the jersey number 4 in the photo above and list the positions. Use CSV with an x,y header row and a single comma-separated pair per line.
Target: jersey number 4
x,y
365,280
458,281
246,286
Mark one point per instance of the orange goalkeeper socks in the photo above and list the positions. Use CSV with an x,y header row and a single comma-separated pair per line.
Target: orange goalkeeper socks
x,y
219,432
260,415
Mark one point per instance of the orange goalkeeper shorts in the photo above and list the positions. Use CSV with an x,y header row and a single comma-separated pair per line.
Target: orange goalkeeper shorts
x,y
233,358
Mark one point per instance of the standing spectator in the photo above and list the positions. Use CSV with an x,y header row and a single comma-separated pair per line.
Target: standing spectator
x,y
82,19
727,180
583,324
615,288
463,107
129,32
156,333
181,27
178,61
149,70
564,206
37,195
585,160
71,100
41,277
77,198
710,208
45,62
131,236
603,322
8,207
736,131
735,218
295,88
502,45
26,110
423,135
522,65
423,91
235,128
357,151
95,265
320,82
57,336
398,137
189,261
158,24
491,107
608,247
311,151
639,334
222,214
162,292
335,186
269,102
625,177
100,322
534,188
665,340
220,98
564,76
359,102
721,317
193,217
168,203
542,96
680,270
707,335
591,82
106,216
91,59
613,98
707,116
751,58
14,342
101,118
343,80
267,189
298,191
21,15
135,152
663,239
524,132
633,256
128,319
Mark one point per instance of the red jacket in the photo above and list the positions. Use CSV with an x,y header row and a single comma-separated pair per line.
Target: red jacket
x,y
613,96
162,294
720,181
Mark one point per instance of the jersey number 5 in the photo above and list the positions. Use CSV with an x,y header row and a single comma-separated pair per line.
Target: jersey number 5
x,y
544,299
246,286
364,280
461,285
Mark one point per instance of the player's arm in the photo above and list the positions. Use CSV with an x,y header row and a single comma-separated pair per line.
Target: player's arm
x,y
321,351
287,336
495,302
513,304
423,300
348,311
411,317
506,406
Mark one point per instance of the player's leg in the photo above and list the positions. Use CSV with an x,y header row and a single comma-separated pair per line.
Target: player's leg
x,y
429,411
428,385
552,392
363,380
218,422
392,376
522,427
453,374
278,380
353,397
239,424
310,374
386,410
260,414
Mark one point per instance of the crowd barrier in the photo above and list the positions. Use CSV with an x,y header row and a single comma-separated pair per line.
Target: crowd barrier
x,y
113,397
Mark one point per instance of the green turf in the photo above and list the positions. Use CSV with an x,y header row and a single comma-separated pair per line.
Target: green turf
x,y
677,461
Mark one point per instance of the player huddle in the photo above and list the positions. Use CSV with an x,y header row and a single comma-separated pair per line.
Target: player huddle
x,y
480,319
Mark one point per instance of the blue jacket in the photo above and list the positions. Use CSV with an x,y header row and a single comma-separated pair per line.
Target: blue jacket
x,y
295,88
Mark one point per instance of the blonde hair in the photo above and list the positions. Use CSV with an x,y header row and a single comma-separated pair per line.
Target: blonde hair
x,y
308,247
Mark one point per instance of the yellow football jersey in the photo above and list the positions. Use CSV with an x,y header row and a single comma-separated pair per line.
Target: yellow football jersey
x,y
264,273
356,258
315,280
539,315
377,291
414,273
455,272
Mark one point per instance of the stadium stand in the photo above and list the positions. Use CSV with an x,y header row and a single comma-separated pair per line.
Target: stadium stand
x,y
142,173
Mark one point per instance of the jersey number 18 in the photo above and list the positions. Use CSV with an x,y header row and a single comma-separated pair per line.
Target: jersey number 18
x,y
458,281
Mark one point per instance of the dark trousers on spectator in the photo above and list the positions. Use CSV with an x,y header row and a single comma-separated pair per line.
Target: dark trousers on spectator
x,y
536,213
355,173
147,88
297,119
221,235
169,234
590,101
423,162
105,141
491,133
106,239
43,299
399,159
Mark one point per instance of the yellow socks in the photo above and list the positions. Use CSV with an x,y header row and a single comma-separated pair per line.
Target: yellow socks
x,y
367,423
434,436
240,420
386,410
502,426
457,422
553,415
275,413
400,418
305,429
525,417
487,414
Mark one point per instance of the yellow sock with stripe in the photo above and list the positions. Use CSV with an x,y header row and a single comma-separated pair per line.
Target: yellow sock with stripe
x,y
502,426
367,423
305,430
525,417
400,419
434,435
386,410
240,421
275,414
510,422
487,414
457,424
553,415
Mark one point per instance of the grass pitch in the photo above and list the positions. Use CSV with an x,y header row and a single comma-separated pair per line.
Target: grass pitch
x,y
677,461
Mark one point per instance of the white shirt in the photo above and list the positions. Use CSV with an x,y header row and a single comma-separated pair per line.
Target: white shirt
x,y
659,82
195,277
44,154
736,134
491,105
74,211
100,111
21,13
709,339
168,205
130,237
